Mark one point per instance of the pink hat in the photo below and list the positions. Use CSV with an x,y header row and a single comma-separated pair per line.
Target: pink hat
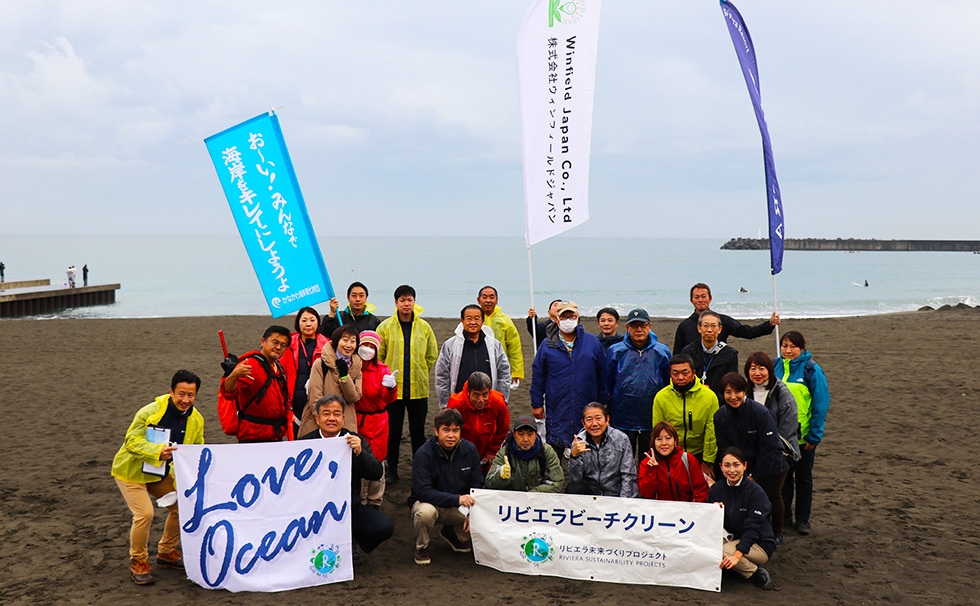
x,y
370,337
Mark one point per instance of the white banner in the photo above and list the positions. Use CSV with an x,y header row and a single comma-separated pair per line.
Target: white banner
x,y
609,539
265,517
556,56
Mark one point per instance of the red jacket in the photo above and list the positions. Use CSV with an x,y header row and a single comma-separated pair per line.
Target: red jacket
x,y
486,428
290,359
372,416
670,480
272,407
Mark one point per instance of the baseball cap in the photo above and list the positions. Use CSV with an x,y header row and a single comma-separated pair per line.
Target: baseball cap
x,y
638,315
525,421
566,306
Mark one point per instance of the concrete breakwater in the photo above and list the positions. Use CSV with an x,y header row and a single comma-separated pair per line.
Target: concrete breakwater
x,y
855,244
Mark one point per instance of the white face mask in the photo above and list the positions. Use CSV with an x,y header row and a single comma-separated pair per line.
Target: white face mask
x,y
365,352
567,326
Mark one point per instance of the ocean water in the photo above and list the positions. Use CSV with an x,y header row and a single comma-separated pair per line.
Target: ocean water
x,y
164,276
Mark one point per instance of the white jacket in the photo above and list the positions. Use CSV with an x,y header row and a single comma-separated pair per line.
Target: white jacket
x,y
447,366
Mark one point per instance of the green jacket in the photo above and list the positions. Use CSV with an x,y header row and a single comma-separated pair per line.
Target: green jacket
x,y
505,331
692,413
128,462
526,476
424,353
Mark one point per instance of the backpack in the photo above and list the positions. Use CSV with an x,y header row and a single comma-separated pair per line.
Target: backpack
x,y
229,414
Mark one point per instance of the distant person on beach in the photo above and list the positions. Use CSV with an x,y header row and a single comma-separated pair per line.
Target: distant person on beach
x,y
566,375
485,416
336,372
304,349
525,463
601,462
378,390
143,471
542,325
71,276
505,331
806,380
257,384
687,331
637,368
473,348
712,357
444,471
689,406
667,473
3,268
369,527
358,312
408,347
85,275
751,542
608,319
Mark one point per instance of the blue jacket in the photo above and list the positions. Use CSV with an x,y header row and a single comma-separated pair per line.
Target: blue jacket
x,y
752,428
633,378
566,382
747,512
440,477
819,392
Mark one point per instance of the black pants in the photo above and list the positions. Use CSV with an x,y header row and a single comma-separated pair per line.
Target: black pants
x,y
417,411
370,527
773,485
639,442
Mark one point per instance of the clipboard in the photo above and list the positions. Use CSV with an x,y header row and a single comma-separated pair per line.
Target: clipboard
x,y
156,435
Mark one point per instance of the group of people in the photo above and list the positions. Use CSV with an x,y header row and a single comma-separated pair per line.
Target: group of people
x,y
617,415
72,274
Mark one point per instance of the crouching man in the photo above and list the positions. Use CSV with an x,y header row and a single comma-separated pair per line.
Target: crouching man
x,y
525,463
369,527
143,471
444,471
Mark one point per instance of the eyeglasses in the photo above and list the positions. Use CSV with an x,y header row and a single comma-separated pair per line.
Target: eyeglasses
x,y
715,326
278,344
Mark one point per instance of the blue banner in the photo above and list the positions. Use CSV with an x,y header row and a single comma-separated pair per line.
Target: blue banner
x,y
259,181
746,58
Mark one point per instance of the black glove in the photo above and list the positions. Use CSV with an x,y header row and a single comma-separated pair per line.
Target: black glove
x,y
342,368
229,364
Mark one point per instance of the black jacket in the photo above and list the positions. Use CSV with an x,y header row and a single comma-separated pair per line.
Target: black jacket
x,y
440,477
542,328
720,364
363,466
365,321
752,428
747,513
608,342
687,331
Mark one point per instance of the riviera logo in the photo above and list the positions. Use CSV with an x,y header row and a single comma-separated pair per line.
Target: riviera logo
x,y
325,559
536,548
565,11
276,302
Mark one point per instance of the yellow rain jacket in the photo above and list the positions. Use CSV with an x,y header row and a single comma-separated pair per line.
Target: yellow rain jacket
x,y
424,353
128,462
505,331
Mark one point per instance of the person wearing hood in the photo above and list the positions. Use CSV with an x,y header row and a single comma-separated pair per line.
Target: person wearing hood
x,y
566,375
712,357
143,471
336,373
358,312
525,463
689,406
485,416
668,473
472,349
806,380
378,390
637,368
408,347
504,330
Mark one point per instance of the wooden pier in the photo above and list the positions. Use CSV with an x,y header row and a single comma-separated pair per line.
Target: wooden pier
x,y
33,297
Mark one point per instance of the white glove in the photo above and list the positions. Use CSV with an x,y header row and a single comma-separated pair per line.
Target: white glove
x,y
505,470
389,381
515,384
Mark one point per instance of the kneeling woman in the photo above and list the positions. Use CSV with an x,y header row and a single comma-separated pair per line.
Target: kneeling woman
x,y
668,473
750,540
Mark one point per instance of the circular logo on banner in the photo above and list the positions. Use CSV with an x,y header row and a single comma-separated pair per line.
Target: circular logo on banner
x,y
536,548
276,302
325,559
570,10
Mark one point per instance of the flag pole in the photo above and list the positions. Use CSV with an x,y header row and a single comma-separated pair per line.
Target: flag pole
x,y
534,320
775,309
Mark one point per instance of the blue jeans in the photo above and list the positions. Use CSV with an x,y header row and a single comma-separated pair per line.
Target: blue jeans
x,y
800,477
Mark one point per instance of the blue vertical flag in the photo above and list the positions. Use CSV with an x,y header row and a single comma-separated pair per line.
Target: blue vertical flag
x,y
259,181
746,58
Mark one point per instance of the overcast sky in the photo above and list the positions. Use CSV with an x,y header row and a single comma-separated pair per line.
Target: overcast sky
x,y
402,117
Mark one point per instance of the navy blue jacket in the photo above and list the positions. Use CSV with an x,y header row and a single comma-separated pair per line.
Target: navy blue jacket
x,y
746,513
752,428
566,382
633,378
440,477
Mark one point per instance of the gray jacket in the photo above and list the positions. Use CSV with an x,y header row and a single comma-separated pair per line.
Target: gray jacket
x,y
781,403
447,365
608,468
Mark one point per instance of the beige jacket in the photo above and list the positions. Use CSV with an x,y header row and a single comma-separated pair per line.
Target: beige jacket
x,y
324,381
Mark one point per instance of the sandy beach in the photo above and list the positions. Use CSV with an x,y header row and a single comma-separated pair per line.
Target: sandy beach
x,y
895,507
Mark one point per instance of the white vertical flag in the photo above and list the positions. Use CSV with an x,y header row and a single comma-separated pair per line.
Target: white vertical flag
x,y
556,57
